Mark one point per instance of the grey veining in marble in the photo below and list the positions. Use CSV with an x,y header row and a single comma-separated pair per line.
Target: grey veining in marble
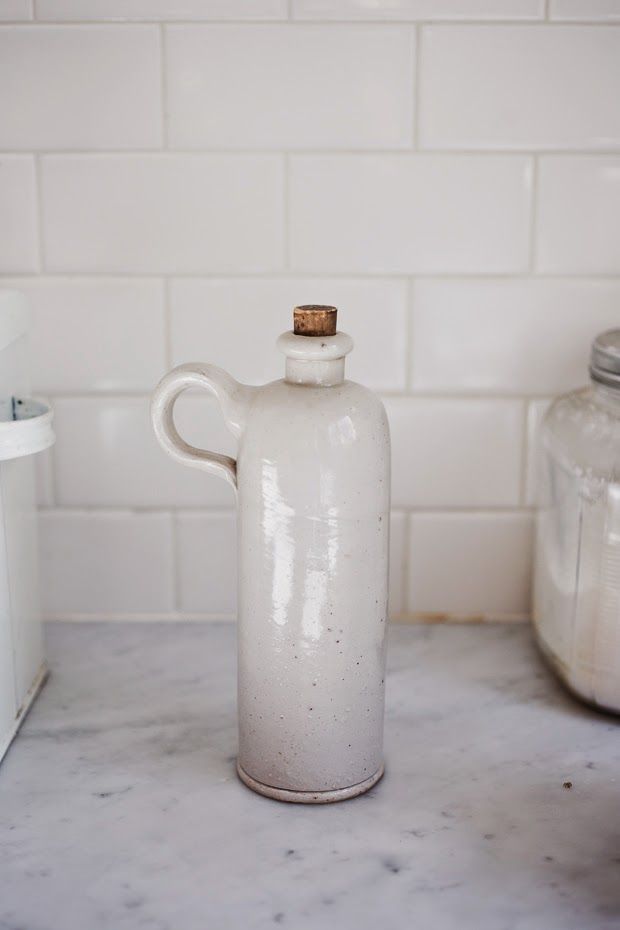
x,y
119,806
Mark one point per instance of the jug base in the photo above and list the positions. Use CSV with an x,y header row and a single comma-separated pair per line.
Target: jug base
x,y
310,797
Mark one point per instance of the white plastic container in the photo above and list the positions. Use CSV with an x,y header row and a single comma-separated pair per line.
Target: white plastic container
x,y
25,429
312,476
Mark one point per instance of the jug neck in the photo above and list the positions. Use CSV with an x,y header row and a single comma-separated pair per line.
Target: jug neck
x,y
317,372
315,360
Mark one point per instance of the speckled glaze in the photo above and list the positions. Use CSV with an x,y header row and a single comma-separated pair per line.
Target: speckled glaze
x,y
313,482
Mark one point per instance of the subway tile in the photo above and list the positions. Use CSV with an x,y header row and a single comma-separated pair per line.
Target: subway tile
x,y
470,564
494,87
105,563
15,10
592,10
293,71
80,87
107,455
417,9
507,335
18,228
95,335
578,228
398,530
208,315
410,213
536,410
207,563
161,10
163,213
455,452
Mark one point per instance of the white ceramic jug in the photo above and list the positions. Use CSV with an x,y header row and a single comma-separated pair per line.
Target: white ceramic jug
x,y
313,481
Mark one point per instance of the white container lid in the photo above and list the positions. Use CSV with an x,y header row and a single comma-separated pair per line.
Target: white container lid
x,y
25,427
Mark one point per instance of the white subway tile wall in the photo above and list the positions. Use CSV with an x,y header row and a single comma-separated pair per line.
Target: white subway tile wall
x,y
175,172
85,332
455,452
160,10
578,225
19,245
172,213
585,10
107,455
15,10
503,87
494,335
206,573
50,78
110,564
293,71
408,214
470,565
417,9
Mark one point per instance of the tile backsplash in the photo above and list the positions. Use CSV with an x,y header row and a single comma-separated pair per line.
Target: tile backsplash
x,y
174,172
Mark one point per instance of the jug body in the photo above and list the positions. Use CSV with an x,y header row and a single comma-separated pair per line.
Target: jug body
x,y
313,525
313,481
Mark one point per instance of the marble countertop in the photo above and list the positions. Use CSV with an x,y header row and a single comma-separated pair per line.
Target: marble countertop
x,y
120,808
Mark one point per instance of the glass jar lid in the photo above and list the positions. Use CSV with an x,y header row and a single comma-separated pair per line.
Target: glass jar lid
x,y
605,358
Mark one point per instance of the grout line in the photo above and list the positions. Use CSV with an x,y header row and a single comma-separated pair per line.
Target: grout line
x,y
163,86
417,96
525,452
286,219
446,22
546,15
402,151
414,618
176,562
451,618
405,568
455,394
229,510
51,468
409,334
167,325
295,274
128,616
55,481
417,618
39,215
131,511
533,243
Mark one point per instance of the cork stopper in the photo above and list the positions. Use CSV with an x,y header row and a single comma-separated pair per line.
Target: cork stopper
x,y
314,320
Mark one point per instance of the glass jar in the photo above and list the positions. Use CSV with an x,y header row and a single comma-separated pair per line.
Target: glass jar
x,y
576,608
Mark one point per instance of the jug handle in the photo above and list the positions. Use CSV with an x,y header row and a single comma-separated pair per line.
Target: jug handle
x,y
230,395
